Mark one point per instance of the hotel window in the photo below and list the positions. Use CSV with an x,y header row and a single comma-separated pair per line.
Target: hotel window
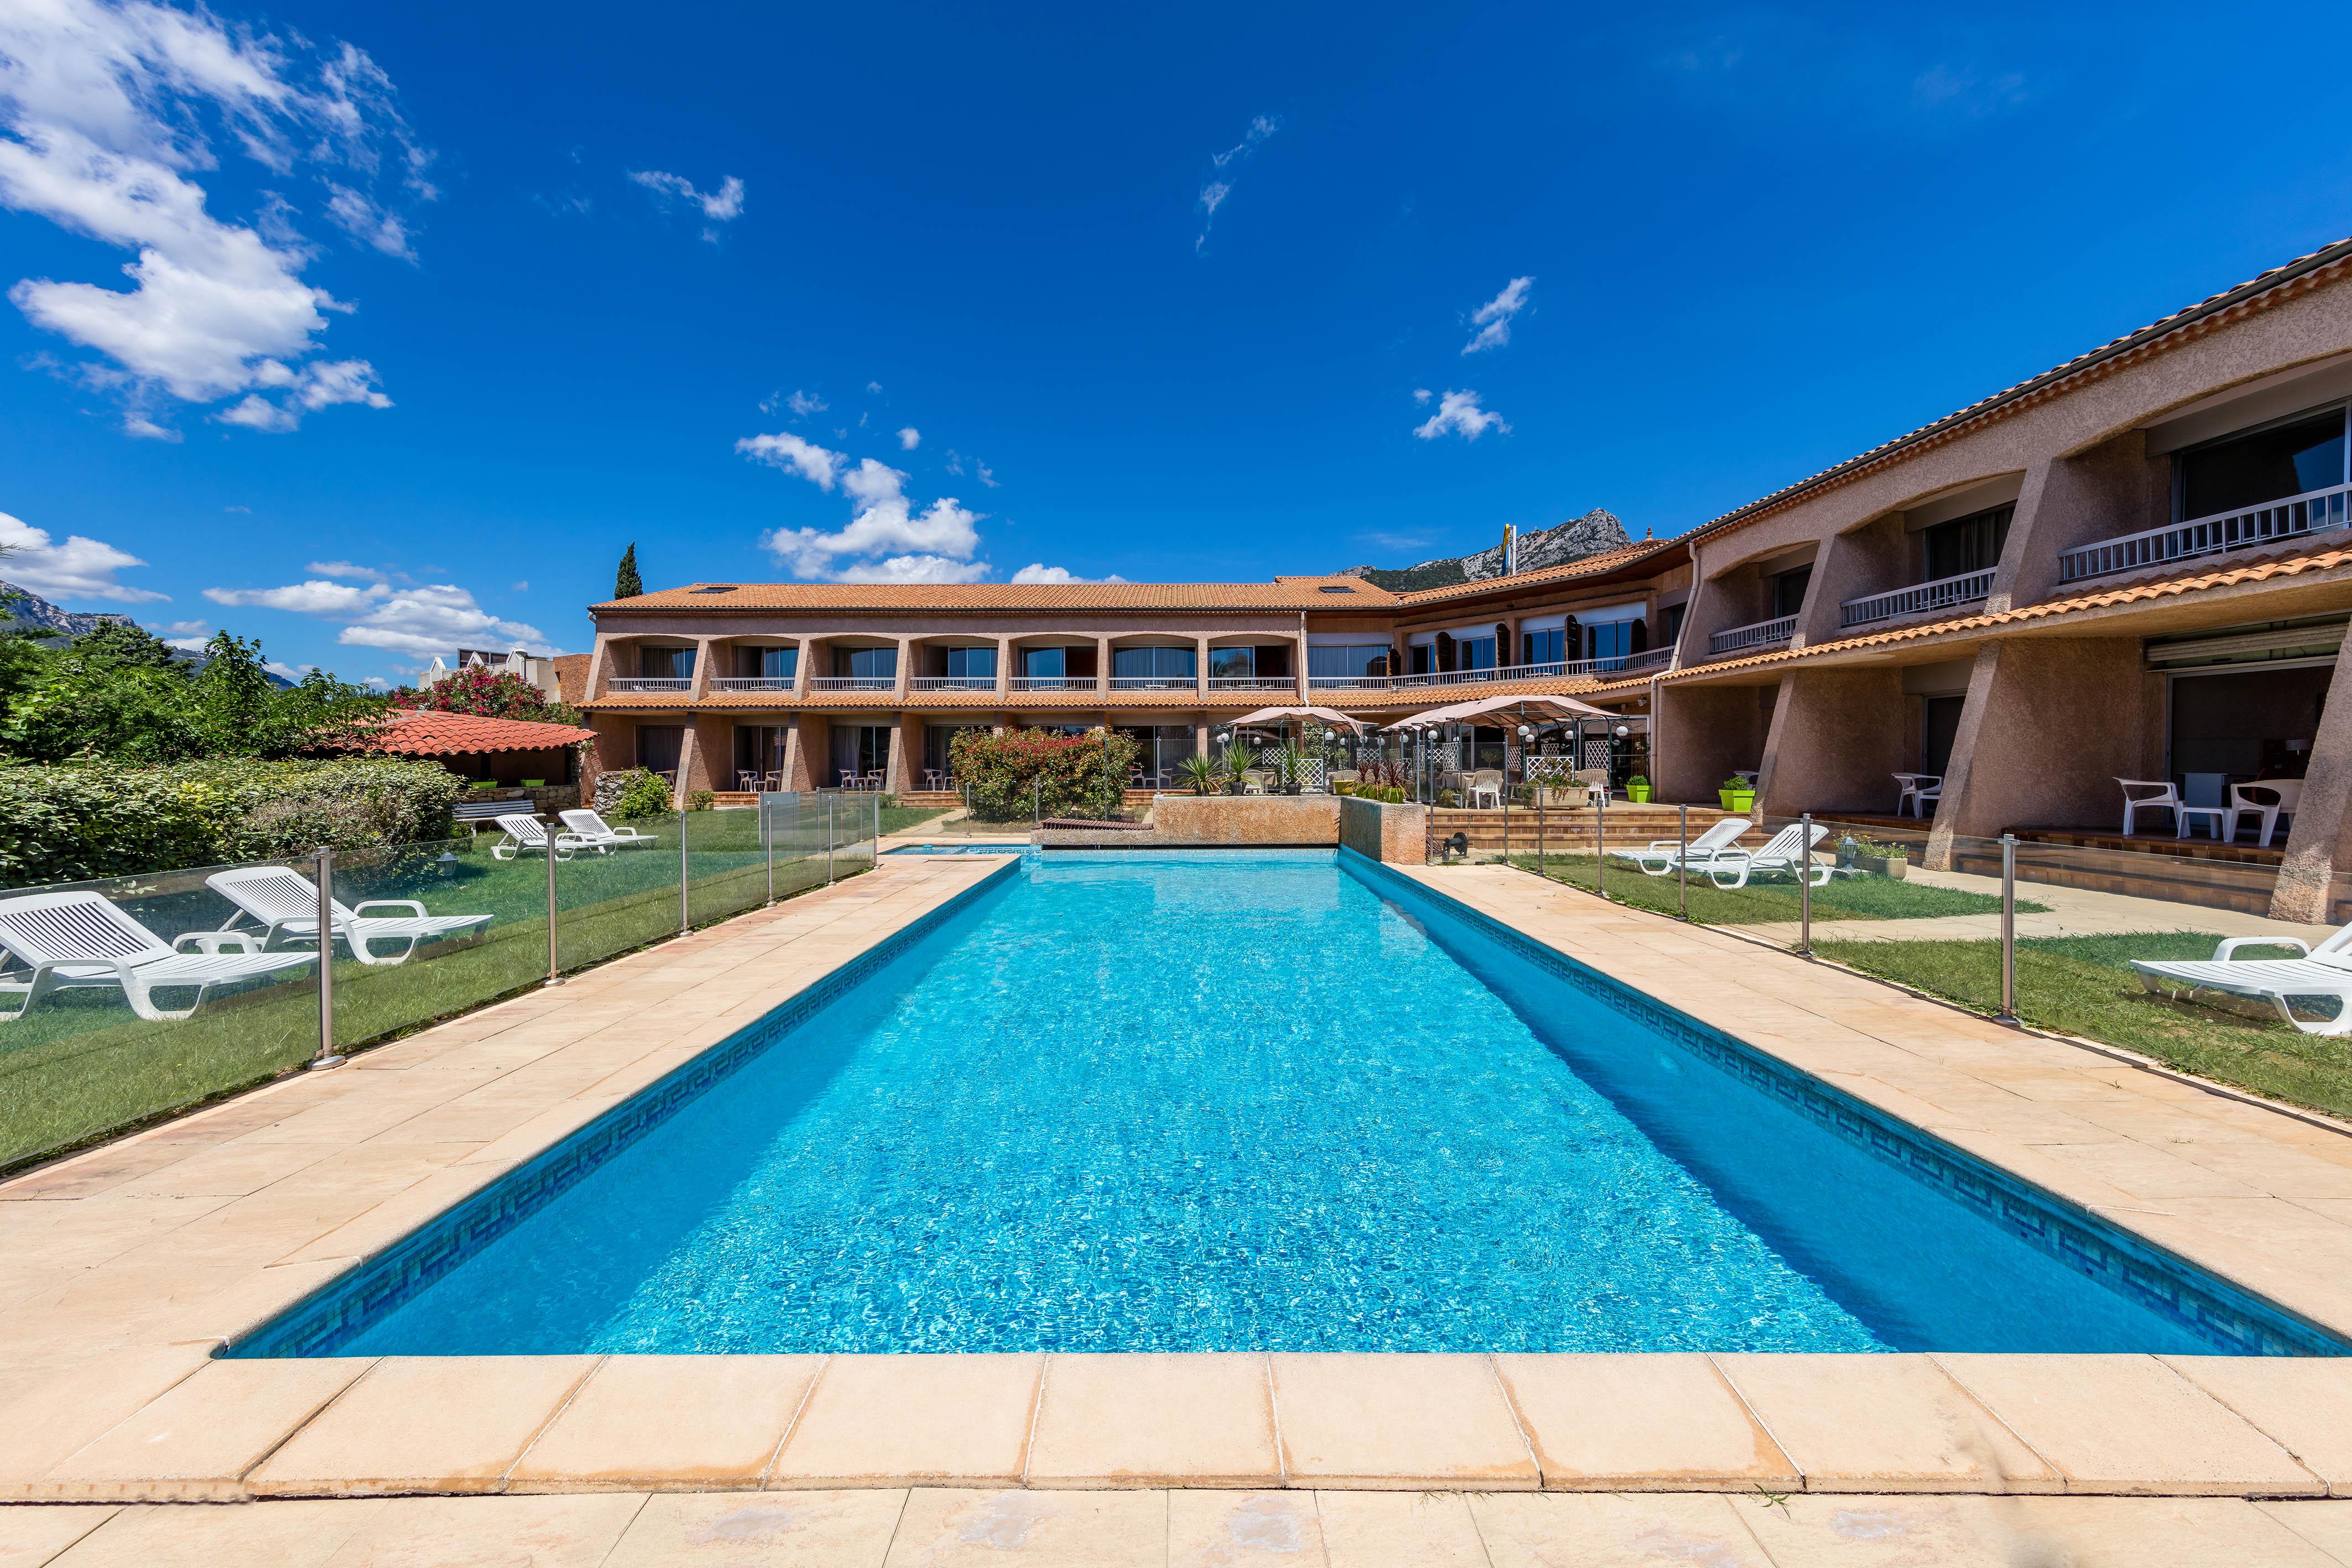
x,y
939,743
1674,614
1546,647
1610,640
972,664
2267,465
1232,663
867,664
760,749
1349,662
1474,653
659,746
1967,543
1424,658
665,664
769,663
1789,591
860,749
1044,663
1154,664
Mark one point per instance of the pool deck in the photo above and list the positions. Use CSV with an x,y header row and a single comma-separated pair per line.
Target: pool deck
x,y
124,1269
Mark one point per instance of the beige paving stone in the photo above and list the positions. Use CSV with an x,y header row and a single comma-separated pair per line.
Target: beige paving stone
x,y
2026,1532
651,1423
773,1530
176,1535
1154,1420
577,1532
197,1441
1873,1423
1210,1529
1397,1421
2305,1405
2144,1171
1620,1422
453,1424
1598,1530
1398,1529
2127,1424
1096,1529
33,1533
913,1420
76,1403
2327,1525
230,1170
225,1316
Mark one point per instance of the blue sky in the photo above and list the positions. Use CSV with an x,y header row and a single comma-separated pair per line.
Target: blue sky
x,y
441,305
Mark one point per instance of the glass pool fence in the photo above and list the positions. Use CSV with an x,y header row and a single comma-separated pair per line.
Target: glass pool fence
x,y
127,998
2042,933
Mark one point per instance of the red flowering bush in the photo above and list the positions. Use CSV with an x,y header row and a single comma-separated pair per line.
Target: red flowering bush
x,y
1056,775
486,694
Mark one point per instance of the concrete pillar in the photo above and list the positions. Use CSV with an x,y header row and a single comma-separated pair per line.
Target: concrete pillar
x,y
600,672
2049,726
906,737
1201,666
705,650
2113,488
906,667
797,775
2315,839
1836,744
1004,670
804,668
1102,665
1872,559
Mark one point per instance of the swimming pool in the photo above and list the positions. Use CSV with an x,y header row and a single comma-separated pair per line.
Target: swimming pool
x,y
1170,1101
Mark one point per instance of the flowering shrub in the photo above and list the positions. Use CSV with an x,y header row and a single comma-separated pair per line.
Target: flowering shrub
x,y
486,694
73,822
1056,774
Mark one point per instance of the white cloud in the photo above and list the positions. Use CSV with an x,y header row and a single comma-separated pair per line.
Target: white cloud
x,y
785,450
912,568
874,387
723,205
376,684
910,438
434,618
317,596
1422,394
285,671
1038,571
1214,192
345,568
802,403
196,629
79,568
1459,413
103,105
887,541
1493,319
986,474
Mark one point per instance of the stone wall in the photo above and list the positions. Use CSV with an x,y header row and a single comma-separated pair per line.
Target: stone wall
x,y
1397,834
1382,831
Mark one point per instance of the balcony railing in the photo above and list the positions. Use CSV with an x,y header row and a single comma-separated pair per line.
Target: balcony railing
x,y
1055,684
1763,633
653,683
1348,683
752,683
1919,598
1251,684
854,683
953,683
2313,512
1557,669
1154,683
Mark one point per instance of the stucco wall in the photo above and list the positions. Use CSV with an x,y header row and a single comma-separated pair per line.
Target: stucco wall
x,y
1394,833
2049,725
1836,743
1247,819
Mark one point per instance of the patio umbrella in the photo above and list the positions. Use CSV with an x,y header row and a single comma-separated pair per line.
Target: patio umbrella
x,y
1548,709
1273,714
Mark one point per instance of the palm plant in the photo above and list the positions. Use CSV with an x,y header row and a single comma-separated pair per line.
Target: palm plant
x,y
1236,761
1202,772
1291,765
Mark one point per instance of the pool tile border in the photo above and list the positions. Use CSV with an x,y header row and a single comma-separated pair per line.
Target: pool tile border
x,y
2099,1249
319,1322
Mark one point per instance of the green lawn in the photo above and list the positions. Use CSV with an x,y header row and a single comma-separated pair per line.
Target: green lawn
x,y
1763,901
82,1065
2084,986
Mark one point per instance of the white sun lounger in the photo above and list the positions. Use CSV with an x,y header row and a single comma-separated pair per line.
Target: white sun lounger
x,y
1664,854
1779,853
81,941
525,832
2322,971
591,831
285,903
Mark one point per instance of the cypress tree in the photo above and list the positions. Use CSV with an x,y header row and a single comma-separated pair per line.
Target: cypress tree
x,y
627,584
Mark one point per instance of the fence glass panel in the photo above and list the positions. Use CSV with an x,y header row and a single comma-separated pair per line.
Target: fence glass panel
x,y
725,864
615,896
434,930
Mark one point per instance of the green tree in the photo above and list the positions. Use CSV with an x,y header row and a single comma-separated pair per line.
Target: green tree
x,y
118,645
627,584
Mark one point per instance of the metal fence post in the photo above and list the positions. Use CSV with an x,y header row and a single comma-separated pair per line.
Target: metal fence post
x,y
1805,886
684,910
1682,863
328,1055
1600,846
767,840
828,839
554,967
1541,865
877,830
2009,927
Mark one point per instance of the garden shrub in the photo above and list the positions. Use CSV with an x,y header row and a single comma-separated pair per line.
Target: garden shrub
x,y
74,822
1056,774
636,795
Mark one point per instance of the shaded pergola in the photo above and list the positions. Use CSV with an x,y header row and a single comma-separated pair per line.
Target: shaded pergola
x,y
1511,714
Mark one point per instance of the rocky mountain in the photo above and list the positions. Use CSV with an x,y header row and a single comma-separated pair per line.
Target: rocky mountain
x,y
1597,530
27,609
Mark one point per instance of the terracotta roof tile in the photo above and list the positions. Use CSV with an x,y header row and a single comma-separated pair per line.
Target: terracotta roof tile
x,y
1283,593
2133,593
417,733
2264,289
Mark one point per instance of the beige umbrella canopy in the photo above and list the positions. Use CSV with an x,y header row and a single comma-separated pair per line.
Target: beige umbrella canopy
x,y
1265,716
1551,709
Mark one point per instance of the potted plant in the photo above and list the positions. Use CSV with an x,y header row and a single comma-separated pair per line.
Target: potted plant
x,y
1737,795
1201,772
1874,857
1236,762
1637,790
1290,767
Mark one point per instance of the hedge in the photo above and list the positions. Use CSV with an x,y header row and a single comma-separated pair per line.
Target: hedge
x,y
74,822
1045,772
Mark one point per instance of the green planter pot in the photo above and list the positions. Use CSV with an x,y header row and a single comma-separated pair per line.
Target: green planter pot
x,y
1739,800
1638,793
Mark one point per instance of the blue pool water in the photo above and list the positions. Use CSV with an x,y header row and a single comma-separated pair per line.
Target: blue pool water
x,y
1223,1102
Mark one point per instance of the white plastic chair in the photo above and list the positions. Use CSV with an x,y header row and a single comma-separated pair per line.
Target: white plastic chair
x,y
2167,797
81,941
526,833
1780,853
1919,791
2322,971
588,831
285,903
2286,796
1486,784
1664,854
